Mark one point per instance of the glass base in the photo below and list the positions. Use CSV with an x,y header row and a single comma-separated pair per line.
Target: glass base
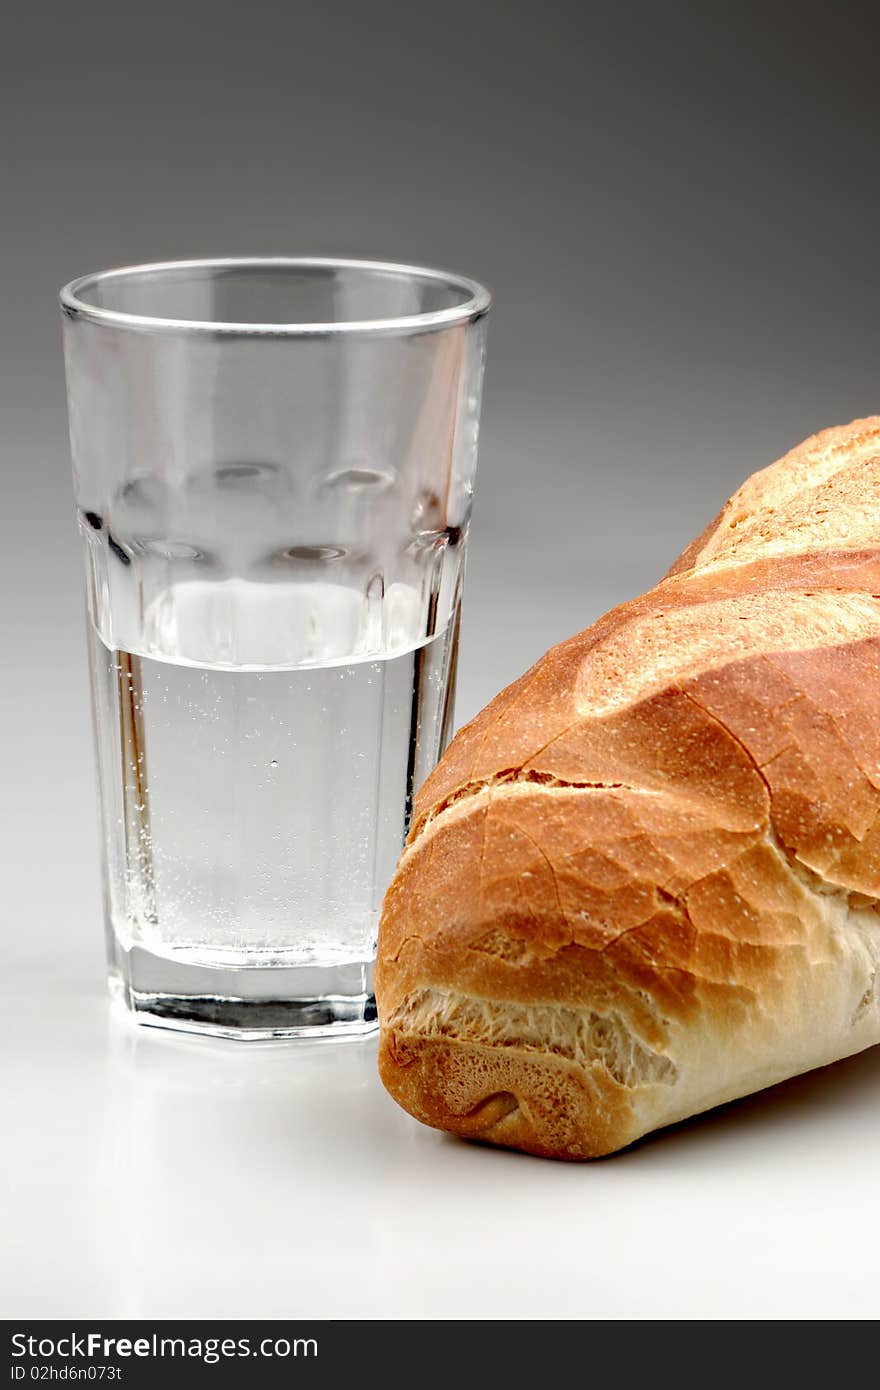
x,y
251,1003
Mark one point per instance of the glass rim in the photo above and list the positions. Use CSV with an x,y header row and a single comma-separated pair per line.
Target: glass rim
x,y
477,302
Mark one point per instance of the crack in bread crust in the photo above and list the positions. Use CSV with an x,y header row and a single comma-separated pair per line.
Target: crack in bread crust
x,y
582,1036
515,776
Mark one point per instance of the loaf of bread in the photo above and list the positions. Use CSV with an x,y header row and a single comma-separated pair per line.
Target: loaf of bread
x,y
645,879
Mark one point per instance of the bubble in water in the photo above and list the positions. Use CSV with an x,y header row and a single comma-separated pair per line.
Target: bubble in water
x,y
312,554
427,512
118,550
234,474
360,479
169,549
146,491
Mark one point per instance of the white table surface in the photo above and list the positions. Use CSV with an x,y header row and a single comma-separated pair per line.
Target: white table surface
x,y
156,1175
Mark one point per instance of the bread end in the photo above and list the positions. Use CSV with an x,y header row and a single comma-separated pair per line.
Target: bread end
x,y
541,1104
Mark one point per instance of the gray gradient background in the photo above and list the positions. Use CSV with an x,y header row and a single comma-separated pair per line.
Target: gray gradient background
x,y
676,206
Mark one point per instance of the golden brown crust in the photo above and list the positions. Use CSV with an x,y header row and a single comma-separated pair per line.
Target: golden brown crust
x,y
642,880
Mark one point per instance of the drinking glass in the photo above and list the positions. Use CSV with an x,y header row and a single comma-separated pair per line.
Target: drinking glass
x,y
274,464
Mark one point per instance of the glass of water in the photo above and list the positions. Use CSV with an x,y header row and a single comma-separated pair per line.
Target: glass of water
x,y
274,464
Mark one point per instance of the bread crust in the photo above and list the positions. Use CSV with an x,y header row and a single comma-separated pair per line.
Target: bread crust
x,y
644,880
